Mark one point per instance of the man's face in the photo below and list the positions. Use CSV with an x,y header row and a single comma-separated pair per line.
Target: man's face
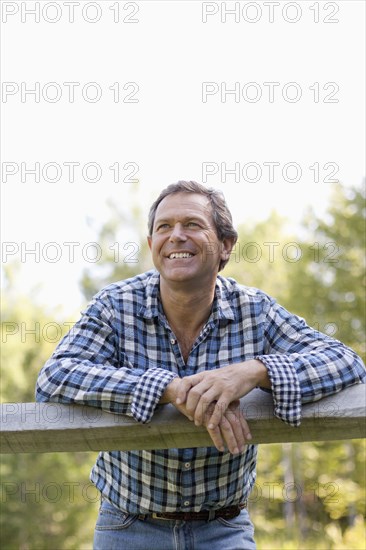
x,y
184,244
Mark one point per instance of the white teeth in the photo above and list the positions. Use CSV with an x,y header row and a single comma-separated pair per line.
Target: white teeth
x,y
180,255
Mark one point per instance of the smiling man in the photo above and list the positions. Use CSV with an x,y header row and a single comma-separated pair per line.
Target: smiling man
x,y
184,334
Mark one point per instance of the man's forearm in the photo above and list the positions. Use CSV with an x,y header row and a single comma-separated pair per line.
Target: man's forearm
x,y
261,374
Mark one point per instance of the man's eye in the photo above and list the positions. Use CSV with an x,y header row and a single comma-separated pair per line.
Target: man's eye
x,y
192,224
162,226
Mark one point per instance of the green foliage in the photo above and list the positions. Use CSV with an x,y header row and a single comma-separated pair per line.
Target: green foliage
x,y
329,286
46,499
316,498
310,495
259,256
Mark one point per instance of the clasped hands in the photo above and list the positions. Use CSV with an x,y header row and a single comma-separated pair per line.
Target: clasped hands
x,y
211,398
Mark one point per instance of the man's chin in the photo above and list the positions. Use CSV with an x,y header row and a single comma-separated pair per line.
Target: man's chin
x,y
186,279
178,275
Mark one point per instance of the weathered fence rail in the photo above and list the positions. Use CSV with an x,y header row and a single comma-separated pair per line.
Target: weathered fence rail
x,y
52,427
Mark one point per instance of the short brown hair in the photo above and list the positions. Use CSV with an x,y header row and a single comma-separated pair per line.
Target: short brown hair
x,y
220,212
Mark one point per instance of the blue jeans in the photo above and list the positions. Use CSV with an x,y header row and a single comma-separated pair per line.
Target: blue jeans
x,y
117,530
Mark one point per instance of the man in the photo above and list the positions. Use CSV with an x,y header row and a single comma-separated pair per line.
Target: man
x,y
185,335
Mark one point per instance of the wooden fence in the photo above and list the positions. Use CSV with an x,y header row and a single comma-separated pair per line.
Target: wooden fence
x,y
52,427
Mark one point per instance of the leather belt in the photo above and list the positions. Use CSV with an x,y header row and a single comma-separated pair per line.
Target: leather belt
x,y
205,515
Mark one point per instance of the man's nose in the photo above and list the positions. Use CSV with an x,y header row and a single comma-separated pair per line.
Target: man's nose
x,y
178,233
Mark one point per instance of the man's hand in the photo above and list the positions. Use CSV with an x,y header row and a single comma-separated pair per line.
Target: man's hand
x,y
231,430
220,386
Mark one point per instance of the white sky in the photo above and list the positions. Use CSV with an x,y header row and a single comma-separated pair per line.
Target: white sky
x,y
169,132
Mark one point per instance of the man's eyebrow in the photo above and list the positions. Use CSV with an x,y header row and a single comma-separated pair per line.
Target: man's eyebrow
x,y
193,218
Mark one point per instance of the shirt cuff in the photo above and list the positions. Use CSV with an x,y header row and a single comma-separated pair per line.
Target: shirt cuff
x,y
285,385
148,392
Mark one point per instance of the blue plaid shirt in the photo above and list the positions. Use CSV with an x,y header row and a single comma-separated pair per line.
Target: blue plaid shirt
x,y
122,353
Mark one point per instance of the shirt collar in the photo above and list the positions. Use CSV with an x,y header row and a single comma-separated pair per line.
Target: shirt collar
x,y
150,306
221,309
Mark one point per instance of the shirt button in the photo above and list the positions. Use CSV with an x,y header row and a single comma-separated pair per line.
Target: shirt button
x,y
187,465
186,503
172,341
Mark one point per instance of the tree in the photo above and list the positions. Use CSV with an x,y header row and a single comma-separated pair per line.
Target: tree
x,y
260,256
325,285
329,286
47,500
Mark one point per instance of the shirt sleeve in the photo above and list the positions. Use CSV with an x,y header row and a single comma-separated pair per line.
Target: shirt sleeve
x,y
303,364
89,367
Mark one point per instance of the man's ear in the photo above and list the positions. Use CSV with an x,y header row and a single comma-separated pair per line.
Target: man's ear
x,y
148,238
226,247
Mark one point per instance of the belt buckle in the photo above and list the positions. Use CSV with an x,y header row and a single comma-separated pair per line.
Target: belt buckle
x,y
156,515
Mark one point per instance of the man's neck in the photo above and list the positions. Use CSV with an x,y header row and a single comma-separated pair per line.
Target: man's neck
x,y
185,308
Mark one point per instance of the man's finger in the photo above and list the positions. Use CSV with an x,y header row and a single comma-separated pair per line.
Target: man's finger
x,y
182,390
198,400
217,439
217,414
239,426
232,436
233,431
245,428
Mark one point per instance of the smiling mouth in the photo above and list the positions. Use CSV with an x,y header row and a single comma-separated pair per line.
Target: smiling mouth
x,y
179,255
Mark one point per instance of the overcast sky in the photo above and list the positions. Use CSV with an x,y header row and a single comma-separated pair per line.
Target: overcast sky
x,y
264,100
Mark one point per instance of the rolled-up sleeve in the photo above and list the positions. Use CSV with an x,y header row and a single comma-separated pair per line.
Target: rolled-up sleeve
x,y
303,364
89,367
148,391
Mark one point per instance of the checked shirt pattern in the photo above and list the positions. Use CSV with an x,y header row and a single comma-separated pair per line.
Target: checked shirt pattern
x,y
122,353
